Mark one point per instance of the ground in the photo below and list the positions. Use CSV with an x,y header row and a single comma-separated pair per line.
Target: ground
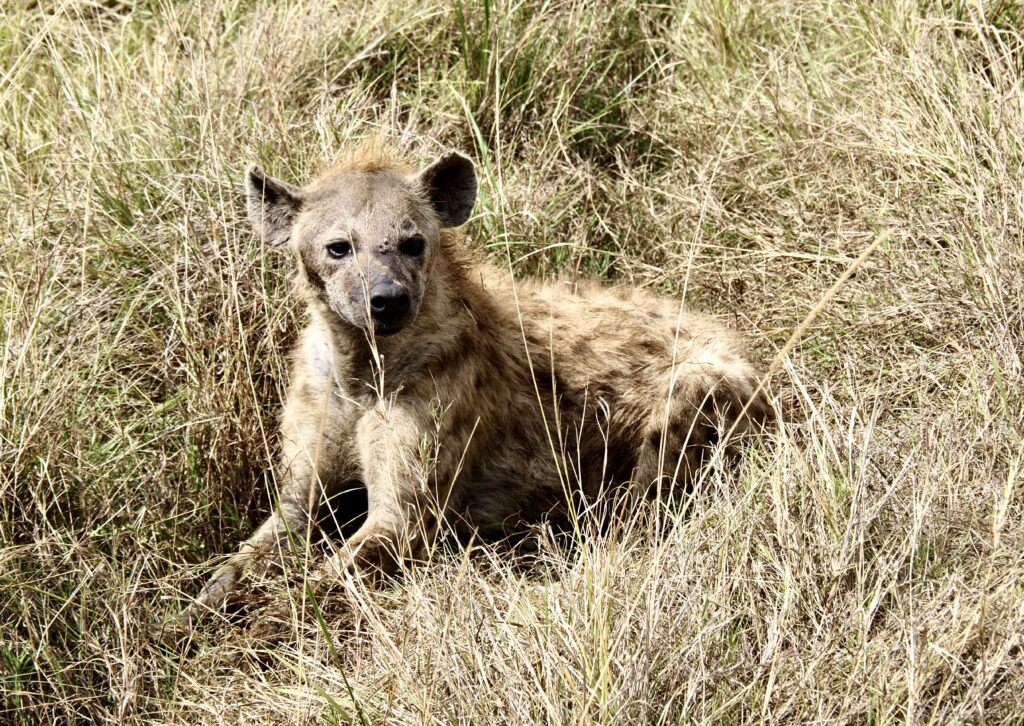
x,y
865,564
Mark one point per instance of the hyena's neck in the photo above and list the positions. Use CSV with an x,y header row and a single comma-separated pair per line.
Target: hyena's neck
x,y
380,367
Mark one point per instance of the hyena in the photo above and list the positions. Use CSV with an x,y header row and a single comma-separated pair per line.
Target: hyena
x,y
457,395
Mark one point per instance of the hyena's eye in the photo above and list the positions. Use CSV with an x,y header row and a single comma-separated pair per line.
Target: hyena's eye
x,y
341,248
412,246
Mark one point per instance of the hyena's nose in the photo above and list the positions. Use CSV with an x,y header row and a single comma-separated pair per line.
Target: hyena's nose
x,y
388,302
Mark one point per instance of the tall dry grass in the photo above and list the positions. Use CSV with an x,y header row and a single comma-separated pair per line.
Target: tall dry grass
x,y
865,565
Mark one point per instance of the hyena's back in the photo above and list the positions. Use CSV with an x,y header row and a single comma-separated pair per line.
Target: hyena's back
x,y
595,387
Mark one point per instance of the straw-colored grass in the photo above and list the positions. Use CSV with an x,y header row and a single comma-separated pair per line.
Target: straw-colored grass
x,y
865,565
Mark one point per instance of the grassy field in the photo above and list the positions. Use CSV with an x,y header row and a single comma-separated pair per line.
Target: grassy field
x,y
864,565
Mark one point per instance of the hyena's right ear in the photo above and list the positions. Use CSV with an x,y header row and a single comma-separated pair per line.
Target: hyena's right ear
x,y
273,205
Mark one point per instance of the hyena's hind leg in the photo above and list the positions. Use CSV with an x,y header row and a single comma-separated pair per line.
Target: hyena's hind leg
x,y
711,403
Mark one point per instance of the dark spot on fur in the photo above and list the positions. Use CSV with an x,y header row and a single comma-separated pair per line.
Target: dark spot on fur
x,y
581,348
535,340
309,268
650,348
313,277
542,377
616,374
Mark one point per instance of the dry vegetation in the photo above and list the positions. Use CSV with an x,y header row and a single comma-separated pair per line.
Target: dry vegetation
x,y
865,565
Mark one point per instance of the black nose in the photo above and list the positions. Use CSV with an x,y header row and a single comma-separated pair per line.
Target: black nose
x,y
388,302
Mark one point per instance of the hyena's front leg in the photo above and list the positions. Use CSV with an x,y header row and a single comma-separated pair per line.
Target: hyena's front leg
x,y
317,456
409,481
272,535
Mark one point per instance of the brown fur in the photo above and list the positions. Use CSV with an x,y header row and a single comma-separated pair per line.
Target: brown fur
x,y
497,403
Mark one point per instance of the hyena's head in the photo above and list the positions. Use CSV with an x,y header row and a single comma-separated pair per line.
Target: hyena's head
x,y
366,237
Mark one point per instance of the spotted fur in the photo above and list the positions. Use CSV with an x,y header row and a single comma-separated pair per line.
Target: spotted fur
x,y
497,403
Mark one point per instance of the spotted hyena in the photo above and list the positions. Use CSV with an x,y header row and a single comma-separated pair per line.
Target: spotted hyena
x,y
458,395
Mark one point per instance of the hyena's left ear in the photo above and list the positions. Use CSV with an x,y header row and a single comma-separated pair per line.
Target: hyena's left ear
x,y
450,184
273,205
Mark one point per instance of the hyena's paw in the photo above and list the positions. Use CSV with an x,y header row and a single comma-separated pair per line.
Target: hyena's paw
x,y
182,628
348,568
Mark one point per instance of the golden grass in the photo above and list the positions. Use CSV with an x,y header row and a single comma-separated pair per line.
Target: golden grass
x,y
866,565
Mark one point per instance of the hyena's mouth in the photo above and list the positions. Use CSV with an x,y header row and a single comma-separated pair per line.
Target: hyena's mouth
x,y
383,332
384,328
